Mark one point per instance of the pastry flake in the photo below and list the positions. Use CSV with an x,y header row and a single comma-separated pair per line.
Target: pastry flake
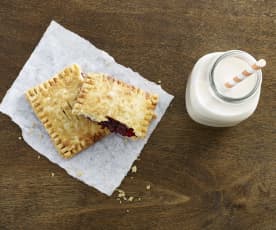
x,y
120,107
52,102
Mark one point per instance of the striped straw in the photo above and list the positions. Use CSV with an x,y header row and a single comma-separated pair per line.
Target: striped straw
x,y
246,73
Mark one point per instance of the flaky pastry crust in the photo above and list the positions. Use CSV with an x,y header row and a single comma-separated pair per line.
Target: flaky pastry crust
x,y
52,102
102,97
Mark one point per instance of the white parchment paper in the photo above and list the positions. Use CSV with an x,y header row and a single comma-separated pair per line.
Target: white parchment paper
x,y
105,164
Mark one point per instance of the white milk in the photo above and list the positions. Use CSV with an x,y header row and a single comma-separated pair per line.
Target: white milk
x,y
208,101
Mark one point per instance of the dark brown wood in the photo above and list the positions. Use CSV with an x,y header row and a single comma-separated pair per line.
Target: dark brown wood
x,y
201,178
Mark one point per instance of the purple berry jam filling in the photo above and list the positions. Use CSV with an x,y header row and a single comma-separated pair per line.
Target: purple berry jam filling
x,y
117,127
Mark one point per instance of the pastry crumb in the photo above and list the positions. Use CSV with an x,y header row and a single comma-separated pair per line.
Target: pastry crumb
x,y
121,193
131,198
134,169
132,178
148,187
120,201
127,210
159,81
52,174
138,159
38,157
19,138
139,198
79,174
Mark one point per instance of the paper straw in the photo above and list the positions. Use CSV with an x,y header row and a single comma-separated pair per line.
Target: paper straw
x,y
246,73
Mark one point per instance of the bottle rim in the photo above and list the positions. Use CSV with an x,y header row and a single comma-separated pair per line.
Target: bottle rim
x,y
246,57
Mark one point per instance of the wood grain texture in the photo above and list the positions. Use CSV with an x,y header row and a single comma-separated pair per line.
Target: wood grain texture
x,y
201,178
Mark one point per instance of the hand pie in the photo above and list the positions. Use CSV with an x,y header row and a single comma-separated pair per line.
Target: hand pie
x,y
52,102
120,107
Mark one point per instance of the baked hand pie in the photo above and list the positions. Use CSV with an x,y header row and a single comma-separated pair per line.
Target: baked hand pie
x,y
113,104
52,102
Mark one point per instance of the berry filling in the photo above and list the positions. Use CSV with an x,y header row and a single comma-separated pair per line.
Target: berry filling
x,y
117,127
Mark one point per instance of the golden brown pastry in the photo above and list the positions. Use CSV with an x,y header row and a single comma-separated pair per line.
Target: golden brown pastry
x,y
52,102
120,107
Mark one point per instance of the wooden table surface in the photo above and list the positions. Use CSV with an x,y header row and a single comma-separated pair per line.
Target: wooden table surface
x,y
200,177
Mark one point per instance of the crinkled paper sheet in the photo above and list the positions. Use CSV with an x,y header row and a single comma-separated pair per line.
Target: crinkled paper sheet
x,y
105,164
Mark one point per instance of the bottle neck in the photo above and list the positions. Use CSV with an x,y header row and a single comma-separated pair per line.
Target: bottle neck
x,y
250,60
